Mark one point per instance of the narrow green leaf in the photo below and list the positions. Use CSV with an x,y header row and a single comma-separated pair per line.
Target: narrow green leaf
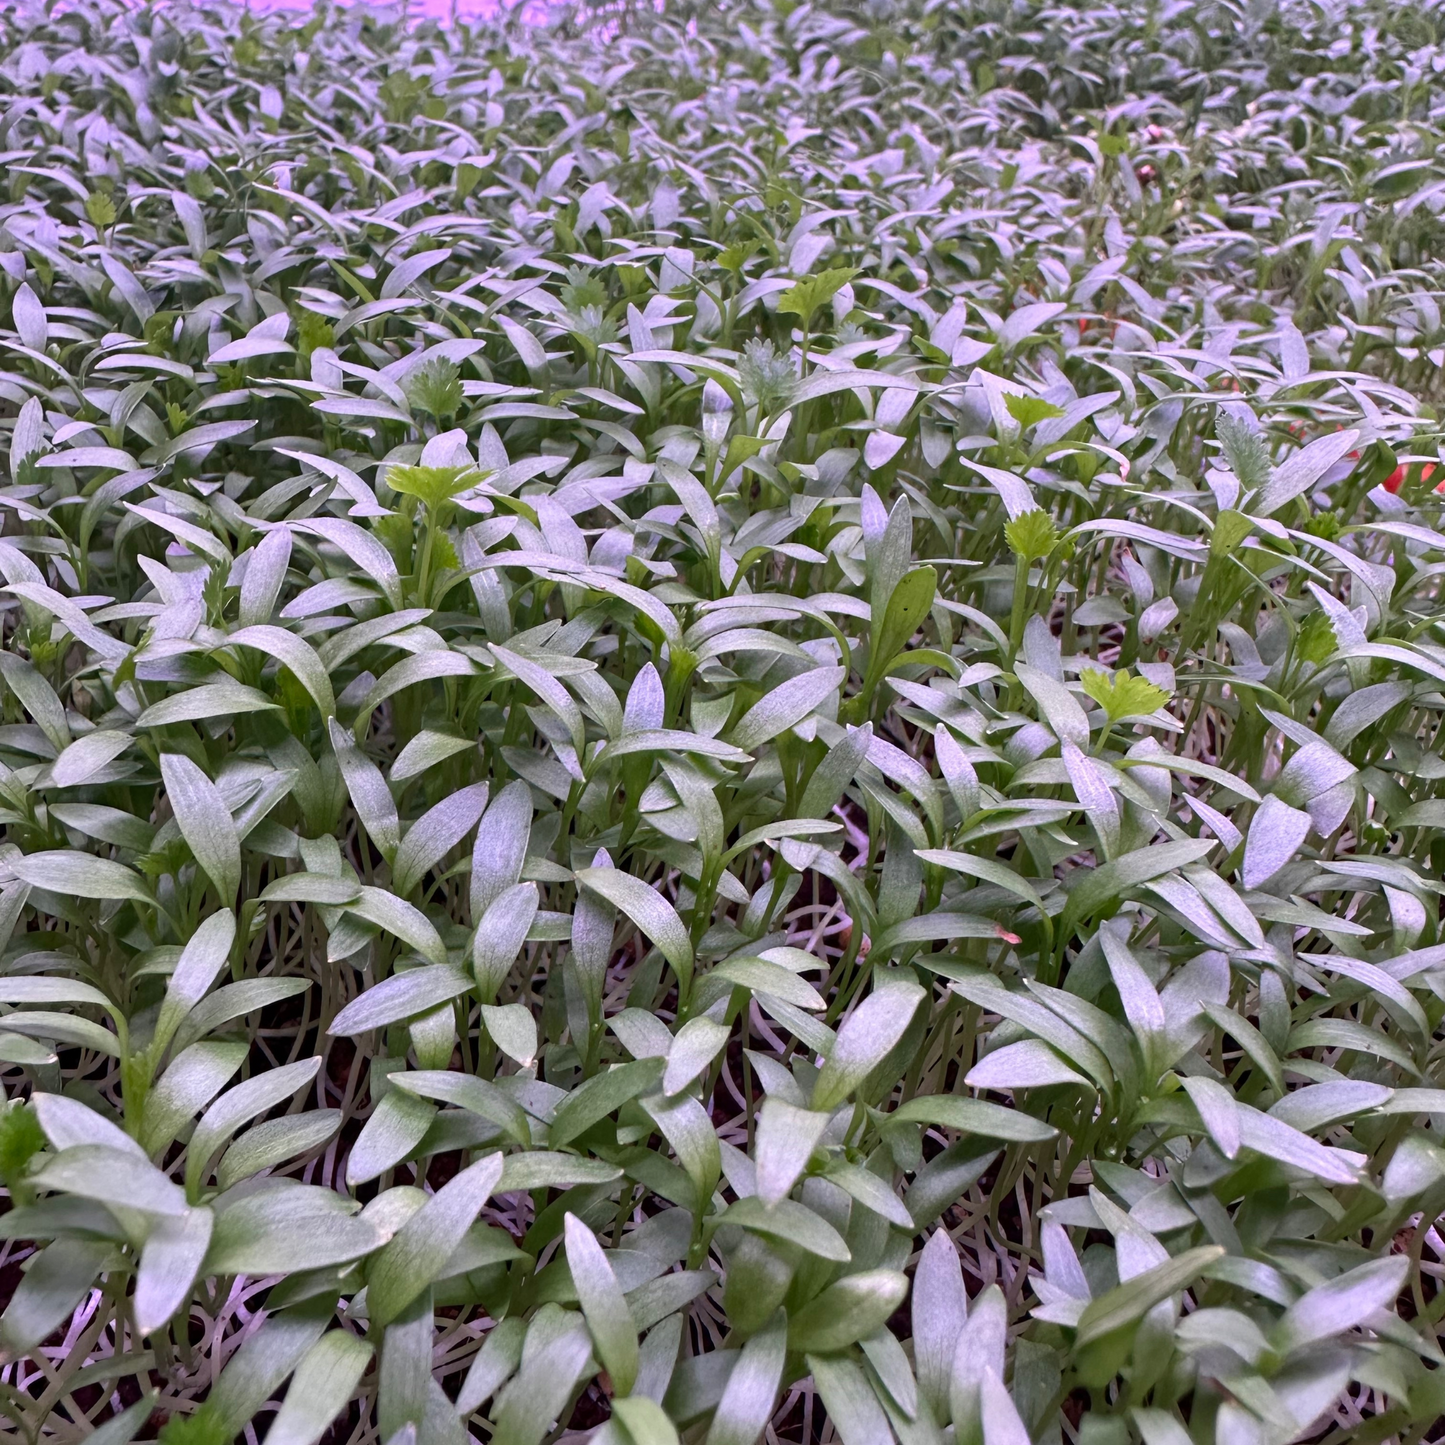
x,y
57,1279
600,1096
169,1264
416,1254
613,1334
205,822
402,996
854,1307
973,1116
786,706
1129,1302
751,1391
649,910
210,700
79,875
864,1039
323,1384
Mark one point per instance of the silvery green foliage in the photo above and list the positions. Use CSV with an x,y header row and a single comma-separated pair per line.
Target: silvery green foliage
x,y
722,724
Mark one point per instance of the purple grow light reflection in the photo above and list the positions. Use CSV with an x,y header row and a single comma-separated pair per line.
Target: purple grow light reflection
x,y
529,12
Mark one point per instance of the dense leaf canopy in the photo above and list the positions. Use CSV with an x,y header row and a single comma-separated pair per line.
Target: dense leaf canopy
x,y
723,725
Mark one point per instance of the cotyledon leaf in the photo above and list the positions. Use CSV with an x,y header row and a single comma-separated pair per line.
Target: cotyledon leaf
x,y
79,875
416,1254
402,996
614,1336
323,1384
649,910
785,706
601,1096
238,1107
205,822
973,1116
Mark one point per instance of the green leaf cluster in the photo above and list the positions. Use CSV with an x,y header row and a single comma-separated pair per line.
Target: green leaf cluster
x,y
722,725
